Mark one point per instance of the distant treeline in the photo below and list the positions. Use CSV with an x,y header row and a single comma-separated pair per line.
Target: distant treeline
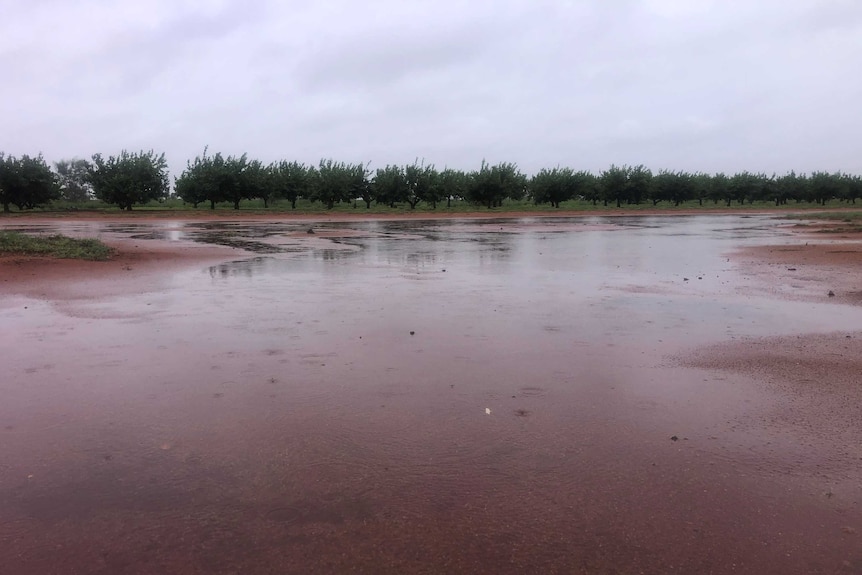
x,y
138,178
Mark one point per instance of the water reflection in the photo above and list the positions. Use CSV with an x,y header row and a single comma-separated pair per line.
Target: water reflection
x,y
326,400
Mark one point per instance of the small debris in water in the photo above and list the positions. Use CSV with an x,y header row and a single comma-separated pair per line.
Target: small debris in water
x,y
831,293
487,411
310,231
522,412
791,269
674,438
412,333
685,279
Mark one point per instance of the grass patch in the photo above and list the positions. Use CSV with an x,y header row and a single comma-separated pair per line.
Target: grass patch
x,y
57,246
848,216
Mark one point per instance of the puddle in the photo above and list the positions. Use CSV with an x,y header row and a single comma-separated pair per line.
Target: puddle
x,y
329,390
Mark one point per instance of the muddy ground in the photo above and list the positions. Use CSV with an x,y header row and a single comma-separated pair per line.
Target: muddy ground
x,y
320,440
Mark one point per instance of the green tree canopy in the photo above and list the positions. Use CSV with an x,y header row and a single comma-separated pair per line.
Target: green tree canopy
x,y
390,185
130,178
26,182
336,182
490,185
291,180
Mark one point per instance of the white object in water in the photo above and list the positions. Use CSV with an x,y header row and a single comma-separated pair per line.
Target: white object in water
x,y
487,411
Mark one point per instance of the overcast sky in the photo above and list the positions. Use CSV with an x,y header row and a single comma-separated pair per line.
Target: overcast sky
x,y
698,85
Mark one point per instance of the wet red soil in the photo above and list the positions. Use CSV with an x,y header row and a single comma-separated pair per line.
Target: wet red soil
x,y
168,454
807,270
134,267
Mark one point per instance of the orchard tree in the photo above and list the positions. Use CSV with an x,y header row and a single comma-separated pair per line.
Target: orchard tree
x,y
359,185
490,185
218,179
614,182
718,189
676,187
742,186
130,178
825,186
333,182
291,180
451,184
638,184
231,186
197,184
852,188
26,182
420,179
390,185
552,186
252,181
74,179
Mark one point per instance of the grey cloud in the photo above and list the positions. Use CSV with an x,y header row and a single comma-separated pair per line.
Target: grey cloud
x,y
711,85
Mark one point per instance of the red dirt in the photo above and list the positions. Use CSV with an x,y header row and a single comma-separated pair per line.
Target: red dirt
x,y
809,271
199,452
132,268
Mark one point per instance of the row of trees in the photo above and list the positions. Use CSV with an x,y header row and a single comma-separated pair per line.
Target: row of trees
x,y
125,180
137,178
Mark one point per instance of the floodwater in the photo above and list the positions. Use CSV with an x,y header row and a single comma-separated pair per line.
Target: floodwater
x,y
416,397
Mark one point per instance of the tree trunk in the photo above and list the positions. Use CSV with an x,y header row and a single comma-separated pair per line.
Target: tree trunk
x,y
236,204
6,207
265,203
619,202
212,204
367,204
330,204
449,202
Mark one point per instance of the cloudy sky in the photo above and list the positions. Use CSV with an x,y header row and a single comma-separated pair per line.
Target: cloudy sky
x,y
699,85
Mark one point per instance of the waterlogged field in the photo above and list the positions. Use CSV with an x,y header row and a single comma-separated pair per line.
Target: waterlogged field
x,y
479,396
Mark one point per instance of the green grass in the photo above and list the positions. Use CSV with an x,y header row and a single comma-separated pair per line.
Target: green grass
x,y
175,208
848,216
57,246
